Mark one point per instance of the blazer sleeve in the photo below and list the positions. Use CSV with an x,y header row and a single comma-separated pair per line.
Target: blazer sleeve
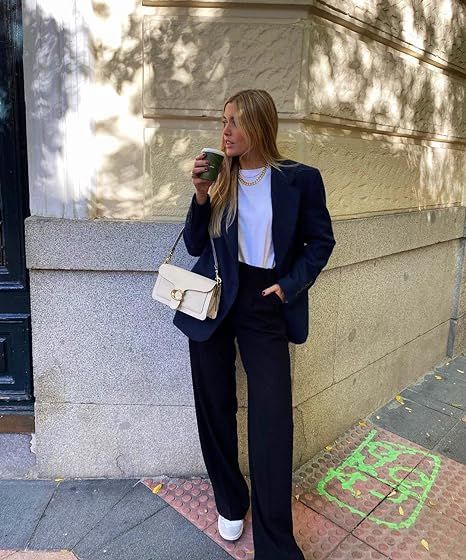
x,y
317,234
196,227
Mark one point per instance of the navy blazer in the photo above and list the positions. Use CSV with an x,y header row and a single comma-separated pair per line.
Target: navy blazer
x,y
303,241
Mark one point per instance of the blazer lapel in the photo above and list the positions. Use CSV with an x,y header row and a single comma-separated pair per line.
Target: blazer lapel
x,y
285,206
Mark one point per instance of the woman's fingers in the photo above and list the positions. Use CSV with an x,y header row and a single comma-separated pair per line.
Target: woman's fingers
x,y
200,165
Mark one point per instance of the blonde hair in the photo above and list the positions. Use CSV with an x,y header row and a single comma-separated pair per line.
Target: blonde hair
x,y
257,118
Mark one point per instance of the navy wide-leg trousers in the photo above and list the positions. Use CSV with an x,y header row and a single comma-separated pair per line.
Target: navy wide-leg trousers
x,y
258,323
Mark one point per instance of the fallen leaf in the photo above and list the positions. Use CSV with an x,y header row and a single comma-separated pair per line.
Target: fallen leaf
x,y
438,377
456,405
391,493
408,409
425,544
427,434
156,488
362,423
464,418
328,447
357,492
378,417
399,398
400,509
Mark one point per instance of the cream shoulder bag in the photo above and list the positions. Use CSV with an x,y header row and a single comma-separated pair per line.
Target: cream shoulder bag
x,y
187,291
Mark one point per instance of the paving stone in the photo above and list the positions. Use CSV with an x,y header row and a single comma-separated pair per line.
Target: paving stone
x,y
439,406
447,390
307,476
135,506
373,450
456,369
447,490
16,459
166,535
345,483
22,505
193,498
399,533
453,445
316,535
347,496
75,508
352,547
414,422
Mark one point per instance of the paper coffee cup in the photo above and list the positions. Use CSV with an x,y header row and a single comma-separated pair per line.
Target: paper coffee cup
x,y
214,158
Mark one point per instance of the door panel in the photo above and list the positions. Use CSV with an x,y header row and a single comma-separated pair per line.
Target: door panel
x,y
15,332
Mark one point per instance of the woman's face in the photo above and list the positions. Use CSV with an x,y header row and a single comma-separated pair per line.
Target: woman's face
x,y
235,143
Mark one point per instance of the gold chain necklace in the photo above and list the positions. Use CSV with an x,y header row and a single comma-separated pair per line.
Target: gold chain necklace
x,y
256,180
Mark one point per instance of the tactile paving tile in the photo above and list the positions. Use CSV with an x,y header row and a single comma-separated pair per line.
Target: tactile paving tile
x,y
193,498
352,548
347,498
378,455
399,535
306,477
242,548
315,534
448,491
390,457
362,467
336,489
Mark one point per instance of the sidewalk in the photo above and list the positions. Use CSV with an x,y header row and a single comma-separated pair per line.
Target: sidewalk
x,y
392,486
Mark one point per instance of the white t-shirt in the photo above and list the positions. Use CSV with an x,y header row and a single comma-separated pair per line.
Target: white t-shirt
x,y
255,245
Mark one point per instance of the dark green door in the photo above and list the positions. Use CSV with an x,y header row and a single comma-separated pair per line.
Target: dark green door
x,y
15,331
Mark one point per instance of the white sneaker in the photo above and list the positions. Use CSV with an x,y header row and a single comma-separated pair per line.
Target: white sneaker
x,y
229,530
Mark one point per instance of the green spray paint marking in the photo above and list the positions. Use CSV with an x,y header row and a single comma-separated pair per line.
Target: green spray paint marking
x,y
382,454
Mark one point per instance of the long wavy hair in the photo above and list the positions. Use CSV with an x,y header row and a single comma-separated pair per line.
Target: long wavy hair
x,y
257,119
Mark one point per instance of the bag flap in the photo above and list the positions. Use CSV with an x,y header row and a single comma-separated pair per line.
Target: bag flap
x,y
185,279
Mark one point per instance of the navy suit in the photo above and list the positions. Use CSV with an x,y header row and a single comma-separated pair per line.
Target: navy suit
x,y
262,326
303,242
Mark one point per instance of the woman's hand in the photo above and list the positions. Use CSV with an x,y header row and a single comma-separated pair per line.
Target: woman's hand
x,y
275,288
202,186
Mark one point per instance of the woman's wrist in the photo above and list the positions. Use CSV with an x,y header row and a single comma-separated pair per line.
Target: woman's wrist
x,y
201,199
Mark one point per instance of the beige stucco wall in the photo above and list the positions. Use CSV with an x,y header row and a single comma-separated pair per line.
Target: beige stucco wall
x,y
372,92
386,127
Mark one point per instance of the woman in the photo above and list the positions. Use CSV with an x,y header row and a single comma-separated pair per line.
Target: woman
x,y
273,235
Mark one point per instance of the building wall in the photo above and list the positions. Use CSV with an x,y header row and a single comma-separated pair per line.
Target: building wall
x,y
123,96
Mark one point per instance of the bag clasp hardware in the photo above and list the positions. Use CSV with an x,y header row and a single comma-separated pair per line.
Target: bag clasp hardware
x,y
176,294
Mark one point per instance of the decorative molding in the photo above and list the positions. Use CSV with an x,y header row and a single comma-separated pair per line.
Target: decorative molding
x,y
339,16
